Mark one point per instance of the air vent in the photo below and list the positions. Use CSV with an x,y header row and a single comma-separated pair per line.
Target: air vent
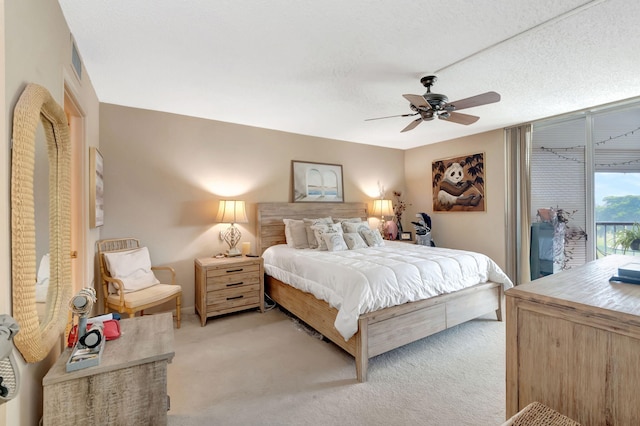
x,y
75,60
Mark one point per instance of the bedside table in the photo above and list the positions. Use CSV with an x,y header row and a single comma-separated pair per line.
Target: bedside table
x,y
227,285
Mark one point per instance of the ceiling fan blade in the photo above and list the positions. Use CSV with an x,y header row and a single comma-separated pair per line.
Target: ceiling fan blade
x,y
460,118
412,125
417,101
483,99
391,116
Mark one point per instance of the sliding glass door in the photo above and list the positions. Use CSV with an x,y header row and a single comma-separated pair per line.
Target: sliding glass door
x,y
585,169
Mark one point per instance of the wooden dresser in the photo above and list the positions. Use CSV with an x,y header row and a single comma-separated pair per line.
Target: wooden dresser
x,y
229,284
573,344
129,387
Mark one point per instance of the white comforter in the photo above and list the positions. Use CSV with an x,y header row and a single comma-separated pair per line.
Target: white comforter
x,y
365,280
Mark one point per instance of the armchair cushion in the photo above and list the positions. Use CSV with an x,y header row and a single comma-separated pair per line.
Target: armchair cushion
x,y
147,296
132,267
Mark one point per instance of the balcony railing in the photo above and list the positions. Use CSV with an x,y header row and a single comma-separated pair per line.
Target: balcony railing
x,y
606,243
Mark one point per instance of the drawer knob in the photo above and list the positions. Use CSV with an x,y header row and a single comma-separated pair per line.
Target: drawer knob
x,y
233,284
229,271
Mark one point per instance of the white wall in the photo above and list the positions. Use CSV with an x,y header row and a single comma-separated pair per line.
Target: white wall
x,y
164,175
37,49
484,232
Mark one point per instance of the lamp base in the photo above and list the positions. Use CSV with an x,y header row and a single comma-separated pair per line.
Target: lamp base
x,y
233,252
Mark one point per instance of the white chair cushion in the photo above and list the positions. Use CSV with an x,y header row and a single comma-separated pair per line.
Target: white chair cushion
x,y
148,295
132,267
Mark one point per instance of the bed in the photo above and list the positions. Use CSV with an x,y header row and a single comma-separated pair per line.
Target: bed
x,y
380,330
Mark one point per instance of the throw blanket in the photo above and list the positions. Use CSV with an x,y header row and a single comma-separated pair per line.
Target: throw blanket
x,y
368,279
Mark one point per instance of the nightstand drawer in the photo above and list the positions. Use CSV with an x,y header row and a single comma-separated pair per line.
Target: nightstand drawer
x,y
223,271
232,280
233,297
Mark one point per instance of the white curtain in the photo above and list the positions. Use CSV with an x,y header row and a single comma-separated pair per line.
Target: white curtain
x,y
518,205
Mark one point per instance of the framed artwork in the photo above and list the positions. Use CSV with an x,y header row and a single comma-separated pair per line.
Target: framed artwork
x,y
406,236
458,184
96,188
317,182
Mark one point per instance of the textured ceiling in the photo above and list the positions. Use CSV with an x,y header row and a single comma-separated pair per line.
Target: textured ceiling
x,y
322,67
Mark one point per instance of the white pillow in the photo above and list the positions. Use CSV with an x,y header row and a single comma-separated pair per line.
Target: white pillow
x,y
132,267
320,230
351,227
354,241
373,237
311,238
335,242
296,233
349,220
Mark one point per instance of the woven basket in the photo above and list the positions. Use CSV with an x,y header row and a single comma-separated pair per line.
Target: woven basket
x,y
537,414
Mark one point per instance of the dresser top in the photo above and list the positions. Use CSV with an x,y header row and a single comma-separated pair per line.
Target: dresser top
x,y
586,288
142,340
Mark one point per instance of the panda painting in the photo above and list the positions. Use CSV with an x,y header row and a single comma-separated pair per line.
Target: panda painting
x,y
458,184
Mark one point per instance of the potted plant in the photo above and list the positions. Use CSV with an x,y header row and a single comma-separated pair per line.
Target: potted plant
x,y
629,238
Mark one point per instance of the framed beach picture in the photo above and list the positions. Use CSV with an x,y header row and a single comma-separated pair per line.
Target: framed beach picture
x,y
96,188
458,184
317,182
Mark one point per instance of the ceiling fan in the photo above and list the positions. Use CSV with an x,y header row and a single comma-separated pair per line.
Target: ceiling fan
x,y
432,105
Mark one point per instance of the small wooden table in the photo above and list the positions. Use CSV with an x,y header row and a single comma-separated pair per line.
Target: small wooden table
x,y
128,387
573,344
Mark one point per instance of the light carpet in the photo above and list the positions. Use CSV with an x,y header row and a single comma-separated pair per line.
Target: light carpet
x,y
266,369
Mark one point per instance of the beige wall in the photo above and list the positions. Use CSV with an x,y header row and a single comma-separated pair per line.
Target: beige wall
x,y
483,232
37,48
164,175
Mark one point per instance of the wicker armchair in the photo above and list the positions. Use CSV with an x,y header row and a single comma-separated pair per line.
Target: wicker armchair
x,y
131,302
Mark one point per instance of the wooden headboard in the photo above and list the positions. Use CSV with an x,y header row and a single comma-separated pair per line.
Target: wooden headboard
x,y
270,228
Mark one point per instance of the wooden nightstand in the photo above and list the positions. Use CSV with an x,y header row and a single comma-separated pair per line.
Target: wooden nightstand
x,y
227,285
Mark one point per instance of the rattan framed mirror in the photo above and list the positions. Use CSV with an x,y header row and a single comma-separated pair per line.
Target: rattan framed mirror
x,y
37,336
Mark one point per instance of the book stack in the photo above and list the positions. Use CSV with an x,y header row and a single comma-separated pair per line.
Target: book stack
x,y
629,273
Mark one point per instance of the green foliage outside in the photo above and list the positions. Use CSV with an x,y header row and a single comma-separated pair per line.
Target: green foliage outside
x,y
619,209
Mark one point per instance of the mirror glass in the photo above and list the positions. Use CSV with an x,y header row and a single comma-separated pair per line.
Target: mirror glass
x,y
41,213
40,226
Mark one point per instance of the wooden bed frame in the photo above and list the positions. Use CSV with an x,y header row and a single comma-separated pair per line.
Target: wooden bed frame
x,y
379,331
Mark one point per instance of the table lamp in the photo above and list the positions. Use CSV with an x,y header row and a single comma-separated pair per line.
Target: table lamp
x,y
231,211
382,208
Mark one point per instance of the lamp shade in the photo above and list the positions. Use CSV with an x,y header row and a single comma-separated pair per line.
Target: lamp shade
x,y
382,208
231,211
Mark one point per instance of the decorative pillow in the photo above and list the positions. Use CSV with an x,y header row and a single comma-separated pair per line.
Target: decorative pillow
x,y
308,223
373,237
320,230
296,233
132,267
351,227
354,241
335,242
349,220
